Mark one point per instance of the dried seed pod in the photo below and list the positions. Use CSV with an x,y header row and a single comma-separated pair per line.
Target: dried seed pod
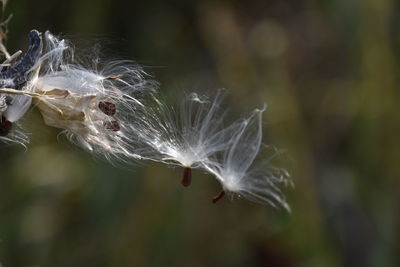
x,y
18,73
107,108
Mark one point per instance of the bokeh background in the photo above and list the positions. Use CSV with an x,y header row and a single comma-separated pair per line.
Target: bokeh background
x,y
329,72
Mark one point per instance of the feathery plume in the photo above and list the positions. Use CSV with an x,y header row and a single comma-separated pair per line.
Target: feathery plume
x,y
114,111
185,136
238,174
93,107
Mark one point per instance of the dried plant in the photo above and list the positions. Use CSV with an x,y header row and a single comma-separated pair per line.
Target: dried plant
x,y
113,110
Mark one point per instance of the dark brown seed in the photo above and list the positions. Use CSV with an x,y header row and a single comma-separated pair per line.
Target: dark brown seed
x,y
187,177
5,126
112,125
218,197
108,108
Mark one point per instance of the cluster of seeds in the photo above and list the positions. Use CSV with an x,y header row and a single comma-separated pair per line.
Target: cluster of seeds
x,y
117,113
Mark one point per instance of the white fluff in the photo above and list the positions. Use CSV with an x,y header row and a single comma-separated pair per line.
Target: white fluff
x,y
235,168
17,108
114,112
186,135
70,98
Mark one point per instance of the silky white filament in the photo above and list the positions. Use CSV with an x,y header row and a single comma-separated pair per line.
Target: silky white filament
x,y
115,112
236,170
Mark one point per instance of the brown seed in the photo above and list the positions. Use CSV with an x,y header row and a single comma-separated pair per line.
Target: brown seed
x,y
5,126
114,77
108,108
112,125
187,177
218,197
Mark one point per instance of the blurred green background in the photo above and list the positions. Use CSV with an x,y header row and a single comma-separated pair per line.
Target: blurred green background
x,y
329,72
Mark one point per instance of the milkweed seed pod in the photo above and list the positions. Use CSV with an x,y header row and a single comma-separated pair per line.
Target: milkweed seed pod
x,y
113,110
15,76
93,107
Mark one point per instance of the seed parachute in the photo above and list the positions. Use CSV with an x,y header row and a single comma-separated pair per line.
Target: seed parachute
x,y
113,110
